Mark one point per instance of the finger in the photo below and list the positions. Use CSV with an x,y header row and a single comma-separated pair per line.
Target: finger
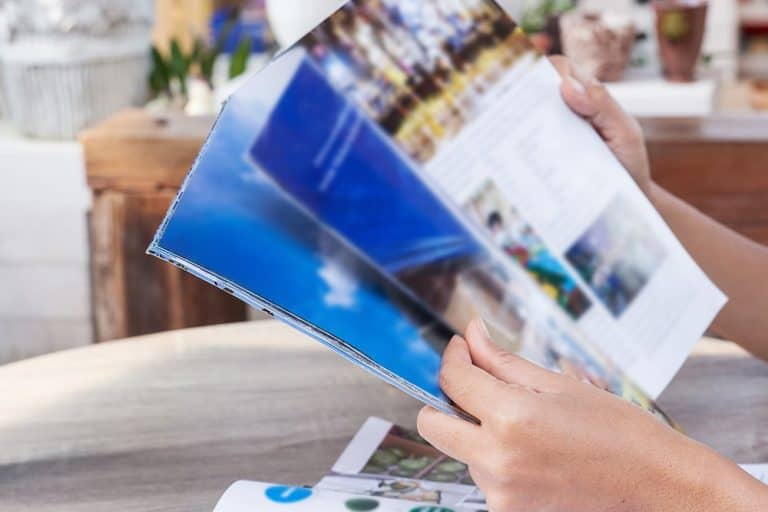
x,y
471,388
591,99
561,64
504,366
452,436
573,87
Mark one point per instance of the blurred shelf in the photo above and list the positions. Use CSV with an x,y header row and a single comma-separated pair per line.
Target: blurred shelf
x,y
660,98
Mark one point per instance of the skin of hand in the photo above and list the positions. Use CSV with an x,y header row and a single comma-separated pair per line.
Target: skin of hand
x,y
736,264
551,443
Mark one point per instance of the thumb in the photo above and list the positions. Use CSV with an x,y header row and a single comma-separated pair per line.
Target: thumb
x,y
504,366
591,100
622,132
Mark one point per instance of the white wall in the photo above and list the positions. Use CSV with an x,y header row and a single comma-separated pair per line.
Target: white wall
x,y
44,283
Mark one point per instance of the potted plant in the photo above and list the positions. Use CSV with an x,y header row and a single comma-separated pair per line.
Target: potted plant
x,y
541,21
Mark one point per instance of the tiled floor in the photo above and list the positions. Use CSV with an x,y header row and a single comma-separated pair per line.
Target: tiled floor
x,y
44,297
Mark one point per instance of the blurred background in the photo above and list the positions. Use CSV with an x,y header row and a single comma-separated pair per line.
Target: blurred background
x,y
104,105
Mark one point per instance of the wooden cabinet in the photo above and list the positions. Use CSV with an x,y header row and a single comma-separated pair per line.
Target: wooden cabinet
x,y
135,165
717,164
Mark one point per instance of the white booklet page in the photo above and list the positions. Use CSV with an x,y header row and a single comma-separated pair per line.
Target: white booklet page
x,y
528,157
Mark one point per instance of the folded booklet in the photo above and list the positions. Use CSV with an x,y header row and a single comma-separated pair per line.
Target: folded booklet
x,y
410,165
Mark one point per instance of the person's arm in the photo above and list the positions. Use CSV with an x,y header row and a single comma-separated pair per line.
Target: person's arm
x,y
737,265
547,442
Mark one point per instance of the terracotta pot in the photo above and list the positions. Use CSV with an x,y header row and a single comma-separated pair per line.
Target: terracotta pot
x,y
680,26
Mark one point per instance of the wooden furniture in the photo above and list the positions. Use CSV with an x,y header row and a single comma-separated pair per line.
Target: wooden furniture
x,y
167,422
717,164
135,164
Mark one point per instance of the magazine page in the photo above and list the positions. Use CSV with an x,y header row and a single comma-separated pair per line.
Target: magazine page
x,y
232,227
247,496
478,118
250,496
385,460
759,471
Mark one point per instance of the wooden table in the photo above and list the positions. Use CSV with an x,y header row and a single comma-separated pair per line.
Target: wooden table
x,y
167,422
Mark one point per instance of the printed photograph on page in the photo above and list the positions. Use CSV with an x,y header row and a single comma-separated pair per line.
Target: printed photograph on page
x,y
388,461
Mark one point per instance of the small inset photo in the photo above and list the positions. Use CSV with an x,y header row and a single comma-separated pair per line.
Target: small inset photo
x,y
617,256
522,244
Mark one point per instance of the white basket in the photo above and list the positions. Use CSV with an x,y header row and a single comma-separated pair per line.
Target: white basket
x,y
55,94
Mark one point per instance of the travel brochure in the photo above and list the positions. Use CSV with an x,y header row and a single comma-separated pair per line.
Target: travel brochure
x,y
385,468
410,165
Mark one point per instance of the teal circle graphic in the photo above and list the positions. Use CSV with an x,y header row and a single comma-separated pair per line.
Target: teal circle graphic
x,y
285,494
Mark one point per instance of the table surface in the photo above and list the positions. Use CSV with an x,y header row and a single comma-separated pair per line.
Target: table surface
x,y
167,422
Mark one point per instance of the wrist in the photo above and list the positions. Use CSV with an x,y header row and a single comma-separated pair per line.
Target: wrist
x,y
655,194
707,481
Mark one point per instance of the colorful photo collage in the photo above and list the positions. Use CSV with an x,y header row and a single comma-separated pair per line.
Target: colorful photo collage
x,y
419,68
618,256
388,461
517,239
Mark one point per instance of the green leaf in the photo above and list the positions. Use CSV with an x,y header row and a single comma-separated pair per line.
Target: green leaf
x,y
179,66
160,75
207,62
239,62
197,51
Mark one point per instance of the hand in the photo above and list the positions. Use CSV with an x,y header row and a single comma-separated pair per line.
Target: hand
x,y
623,134
548,442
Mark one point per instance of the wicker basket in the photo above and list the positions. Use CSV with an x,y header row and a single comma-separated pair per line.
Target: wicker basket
x,y
55,90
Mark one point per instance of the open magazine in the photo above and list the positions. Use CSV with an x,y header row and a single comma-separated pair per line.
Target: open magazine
x,y
410,165
384,468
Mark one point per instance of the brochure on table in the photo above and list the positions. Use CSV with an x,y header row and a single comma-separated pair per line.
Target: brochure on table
x,y
409,165
384,468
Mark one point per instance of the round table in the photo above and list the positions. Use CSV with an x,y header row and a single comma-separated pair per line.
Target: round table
x,y
167,422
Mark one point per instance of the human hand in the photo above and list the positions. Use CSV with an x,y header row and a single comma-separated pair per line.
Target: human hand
x,y
623,134
548,442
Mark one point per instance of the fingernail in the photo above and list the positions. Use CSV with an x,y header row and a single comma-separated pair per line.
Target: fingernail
x,y
483,328
577,86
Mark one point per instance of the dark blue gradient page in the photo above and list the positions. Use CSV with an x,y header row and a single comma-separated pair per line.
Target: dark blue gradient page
x,y
234,223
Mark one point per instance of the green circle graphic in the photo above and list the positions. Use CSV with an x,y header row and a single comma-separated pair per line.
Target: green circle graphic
x,y
362,505
431,509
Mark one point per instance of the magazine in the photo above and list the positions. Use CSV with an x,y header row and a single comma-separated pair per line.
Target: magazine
x,y
249,496
410,165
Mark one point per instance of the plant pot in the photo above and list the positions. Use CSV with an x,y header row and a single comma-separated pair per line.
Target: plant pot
x,y
680,26
598,44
